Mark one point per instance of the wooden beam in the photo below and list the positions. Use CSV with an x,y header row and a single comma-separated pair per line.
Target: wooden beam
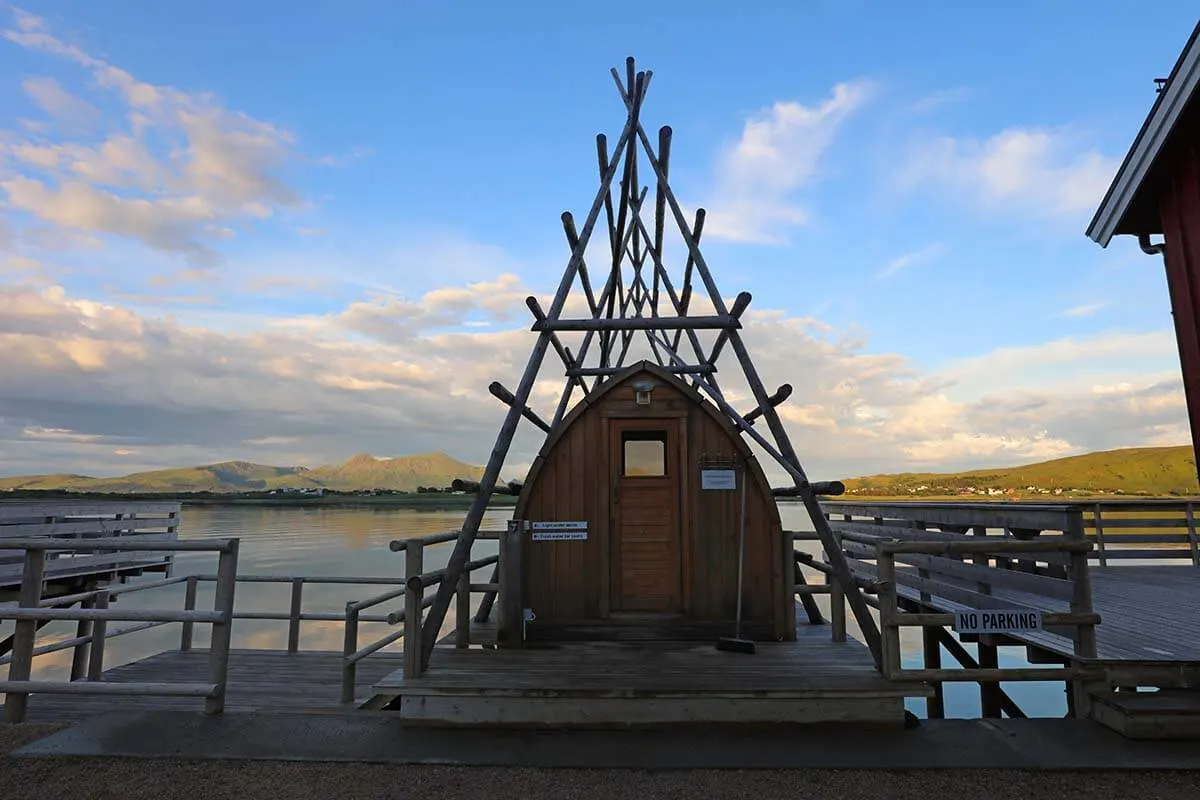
x,y
717,322
660,199
535,308
572,235
685,291
505,396
740,303
961,655
790,461
781,394
462,548
702,369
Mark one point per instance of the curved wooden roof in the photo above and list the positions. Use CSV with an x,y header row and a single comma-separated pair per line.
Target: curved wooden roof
x,y
620,379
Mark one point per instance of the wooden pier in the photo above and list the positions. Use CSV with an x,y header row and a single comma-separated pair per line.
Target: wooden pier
x,y
612,683
1122,633
1123,638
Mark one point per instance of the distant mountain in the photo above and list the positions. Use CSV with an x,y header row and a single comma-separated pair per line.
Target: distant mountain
x,y
363,471
1155,471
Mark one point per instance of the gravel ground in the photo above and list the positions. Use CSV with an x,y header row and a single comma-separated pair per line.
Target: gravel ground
x,y
35,778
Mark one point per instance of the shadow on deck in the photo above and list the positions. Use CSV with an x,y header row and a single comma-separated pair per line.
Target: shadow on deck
x,y
259,680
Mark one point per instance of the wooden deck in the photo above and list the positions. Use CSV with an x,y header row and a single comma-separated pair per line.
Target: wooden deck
x,y
258,680
599,684
1148,614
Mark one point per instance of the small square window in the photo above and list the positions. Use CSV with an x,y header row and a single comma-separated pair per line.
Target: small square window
x,y
644,454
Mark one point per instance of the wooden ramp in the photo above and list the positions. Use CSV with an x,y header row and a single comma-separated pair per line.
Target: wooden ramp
x,y
259,680
605,684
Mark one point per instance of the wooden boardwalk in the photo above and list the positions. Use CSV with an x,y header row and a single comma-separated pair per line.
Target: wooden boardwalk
x,y
264,680
599,683
1148,613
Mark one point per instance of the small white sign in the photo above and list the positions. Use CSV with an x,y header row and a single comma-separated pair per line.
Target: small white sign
x,y
993,620
559,531
559,536
718,479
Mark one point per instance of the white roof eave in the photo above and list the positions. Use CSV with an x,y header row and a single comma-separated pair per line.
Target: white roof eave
x,y
1158,127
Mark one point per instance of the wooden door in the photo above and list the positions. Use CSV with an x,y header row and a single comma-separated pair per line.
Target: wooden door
x,y
647,549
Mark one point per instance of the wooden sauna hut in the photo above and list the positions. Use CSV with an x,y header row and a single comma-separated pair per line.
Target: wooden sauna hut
x,y
614,595
656,473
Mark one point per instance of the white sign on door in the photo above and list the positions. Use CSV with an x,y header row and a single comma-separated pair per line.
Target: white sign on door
x,y
559,531
718,479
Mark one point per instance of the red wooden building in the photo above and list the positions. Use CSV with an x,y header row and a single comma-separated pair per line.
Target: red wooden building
x,y
1156,192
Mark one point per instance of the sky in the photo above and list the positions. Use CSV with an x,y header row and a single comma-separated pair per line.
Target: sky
x,y
291,232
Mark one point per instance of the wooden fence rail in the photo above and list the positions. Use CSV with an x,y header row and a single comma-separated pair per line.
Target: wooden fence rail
x,y
93,617
416,599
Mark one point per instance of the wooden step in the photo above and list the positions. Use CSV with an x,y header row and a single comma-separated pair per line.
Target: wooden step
x,y
1165,714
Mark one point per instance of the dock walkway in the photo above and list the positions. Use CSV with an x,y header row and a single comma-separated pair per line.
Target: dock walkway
x,y
1148,614
259,680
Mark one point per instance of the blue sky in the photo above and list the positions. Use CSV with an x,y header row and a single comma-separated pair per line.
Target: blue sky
x,y
188,187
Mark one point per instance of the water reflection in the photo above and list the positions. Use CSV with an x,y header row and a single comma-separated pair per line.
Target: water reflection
x,y
344,542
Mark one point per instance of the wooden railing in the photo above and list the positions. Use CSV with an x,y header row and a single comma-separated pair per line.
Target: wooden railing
x,y
417,599
86,521
1142,529
33,611
801,588
923,562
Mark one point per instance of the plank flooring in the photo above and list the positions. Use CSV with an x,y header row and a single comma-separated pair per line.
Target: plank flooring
x,y
1148,613
258,680
812,666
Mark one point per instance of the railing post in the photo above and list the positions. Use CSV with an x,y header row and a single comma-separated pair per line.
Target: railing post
x,y
512,611
837,607
414,565
294,615
1081,603
1098,526
21,666
935,706
189,604
889,609
349,648
1191,531
222,632
462,612
96,650
79,658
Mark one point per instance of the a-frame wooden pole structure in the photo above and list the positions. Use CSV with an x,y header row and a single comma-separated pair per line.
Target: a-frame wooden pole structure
x,y
628,304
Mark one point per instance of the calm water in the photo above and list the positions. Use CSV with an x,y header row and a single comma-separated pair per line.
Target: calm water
x,y
354,542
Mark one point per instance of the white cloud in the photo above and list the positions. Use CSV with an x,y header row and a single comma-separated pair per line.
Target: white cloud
x,y
927,253
74,112
183,169
1084,310
942,97
1035,170
388,376
777,154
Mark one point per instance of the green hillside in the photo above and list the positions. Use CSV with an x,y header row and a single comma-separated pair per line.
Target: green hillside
x,y
362,472
1153,471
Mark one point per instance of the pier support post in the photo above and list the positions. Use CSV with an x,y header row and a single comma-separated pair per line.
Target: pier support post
x,y
935,706
222,632
21,666
189,604
349,648
990,699
96,650
79,658
414,565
